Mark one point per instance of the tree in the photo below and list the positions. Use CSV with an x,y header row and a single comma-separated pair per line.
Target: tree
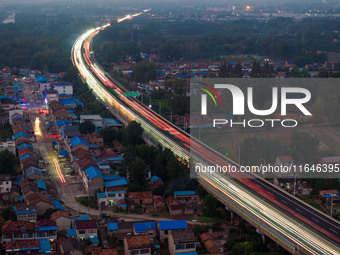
x,y
304,147
144,71
137,174
132,135
109,134
7,162
8,214
209,206
87,127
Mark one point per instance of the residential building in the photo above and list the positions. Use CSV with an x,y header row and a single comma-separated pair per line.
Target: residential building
x,y
9,145
46,228
71,246
134,245
41,201
142,197
17,230
93,180
62,219
211,243
166,227
145,228
96,120
185,197
101,251
86,228
41,246
63,87
182,242
5,183
26,212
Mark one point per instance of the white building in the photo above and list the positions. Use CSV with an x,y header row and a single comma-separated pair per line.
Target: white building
x,y
5,183
10,146
96,120
62,87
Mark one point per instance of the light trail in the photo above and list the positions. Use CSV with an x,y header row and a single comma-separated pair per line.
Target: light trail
x,y
37,130
60,174
131,16
241,193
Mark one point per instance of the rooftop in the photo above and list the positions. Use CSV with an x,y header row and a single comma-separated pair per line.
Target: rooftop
x,y
143,226
17,226
142,194
172,224
183,236
137,241
185,193
86,224
58,214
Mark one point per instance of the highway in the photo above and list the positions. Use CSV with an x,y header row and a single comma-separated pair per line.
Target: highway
x,y
296,226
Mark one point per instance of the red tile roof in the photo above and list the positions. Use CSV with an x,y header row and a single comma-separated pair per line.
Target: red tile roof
x,y
17,226
58,214
100,251
142,194
137,241
86,224
22,244
36,197
45,223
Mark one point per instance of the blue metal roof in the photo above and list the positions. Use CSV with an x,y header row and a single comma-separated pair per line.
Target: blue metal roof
x,y
77,140
115,192
82,217
41,79
67,101
63,153
172,224
46,228
41,184
57,205
185,193
187,253
71,232
61,123
94,239
45,245
25,145
121,182
331,195
155,178
112,226
17,135
93,172
101,195
144,226
26,156
111,177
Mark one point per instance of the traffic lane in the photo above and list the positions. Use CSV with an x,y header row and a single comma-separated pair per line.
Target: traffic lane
x,y
332,226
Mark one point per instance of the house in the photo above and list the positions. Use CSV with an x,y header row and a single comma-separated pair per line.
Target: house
x,y
33,173
78,142
284,160
62,219
26,212
111,196
46,228
182,242
134,245
112,228
41,246
63,87
155,181
71,246
166,227
10,146
142,197
5,183
86,228
17,230
71,131
210,244
93,180
330,160
96,120
145,228
185,197
28,187
41,201
159,204
101,251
